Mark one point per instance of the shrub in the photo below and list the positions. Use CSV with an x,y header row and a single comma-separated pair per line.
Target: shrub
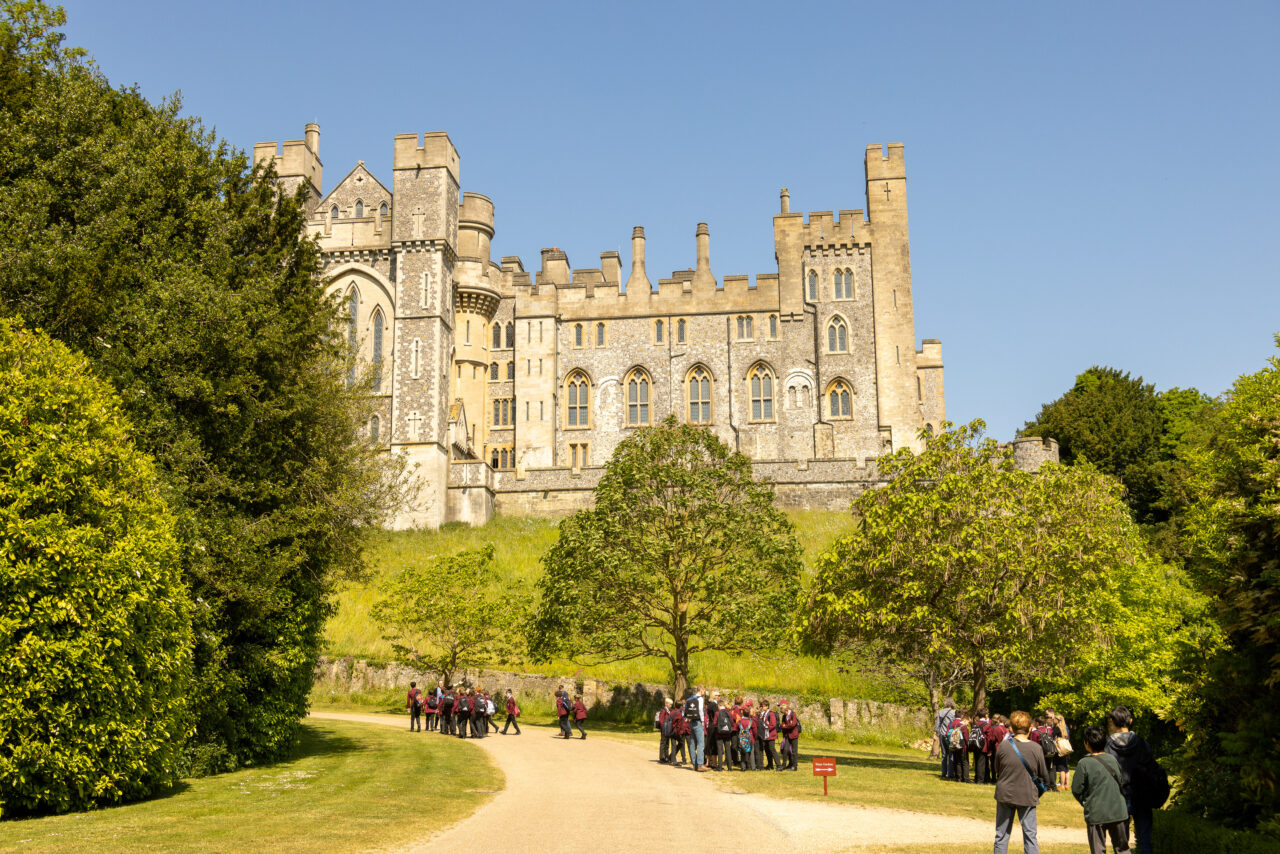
x,y
95,633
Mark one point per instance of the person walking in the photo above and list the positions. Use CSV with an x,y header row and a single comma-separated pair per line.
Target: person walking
x,y
1098,788
941,727
789,726
579,715
513,712
1021,778
564,708
1144,782
414,705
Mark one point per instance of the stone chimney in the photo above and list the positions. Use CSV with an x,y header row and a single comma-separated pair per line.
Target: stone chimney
x,y
313,137
638,281
786,200
702,274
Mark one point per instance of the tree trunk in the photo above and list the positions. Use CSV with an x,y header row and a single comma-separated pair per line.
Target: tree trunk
x,y
979,683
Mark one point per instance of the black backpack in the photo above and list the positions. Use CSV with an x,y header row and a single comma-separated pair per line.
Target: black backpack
x,y
724,723
463,706
1150,784
1049,746
691,712
432,700
978,737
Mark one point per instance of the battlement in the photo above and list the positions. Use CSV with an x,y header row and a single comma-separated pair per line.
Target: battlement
x,y
885,163
930,354
1031,452
434,151
296,158
824,229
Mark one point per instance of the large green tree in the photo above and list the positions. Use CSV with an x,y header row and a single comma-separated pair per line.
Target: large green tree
x,y
963,559
1232,712
135,237
95,624
447,615
682,552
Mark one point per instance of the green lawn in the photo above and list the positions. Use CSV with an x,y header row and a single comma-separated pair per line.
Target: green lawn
x,y
348,787
519,545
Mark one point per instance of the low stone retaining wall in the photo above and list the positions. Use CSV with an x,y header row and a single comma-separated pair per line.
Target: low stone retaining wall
x,y
347,675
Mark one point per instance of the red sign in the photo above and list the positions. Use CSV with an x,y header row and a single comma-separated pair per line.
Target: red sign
x,y
823,768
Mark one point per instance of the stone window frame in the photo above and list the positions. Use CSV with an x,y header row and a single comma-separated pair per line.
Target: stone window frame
x,y
814,291
582,410
352,302
497,335
502,457
577,336
658,331
377,329
843,410
773,327
580,455
359,208
746,328
708,404
493,372
644,407
845,275
511,370
375,429
511,336
383,210
762,383
682,330
837,334
506,408
334,213
601,336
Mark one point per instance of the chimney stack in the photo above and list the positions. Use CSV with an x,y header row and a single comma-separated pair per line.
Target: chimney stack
x,y
638,279
786,201
313,138
702,273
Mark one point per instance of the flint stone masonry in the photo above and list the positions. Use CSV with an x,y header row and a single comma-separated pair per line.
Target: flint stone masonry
x,y
346,675
766,343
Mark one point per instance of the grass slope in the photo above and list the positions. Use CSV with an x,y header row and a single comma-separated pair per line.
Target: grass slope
x,y
518,548
348,787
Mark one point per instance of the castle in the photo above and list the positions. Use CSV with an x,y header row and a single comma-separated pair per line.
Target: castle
x,y
508,390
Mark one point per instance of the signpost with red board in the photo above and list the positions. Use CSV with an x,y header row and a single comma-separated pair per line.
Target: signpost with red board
x,y
824,768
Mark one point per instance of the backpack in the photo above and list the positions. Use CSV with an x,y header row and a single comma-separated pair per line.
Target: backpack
x,y
488,707
768,721
724,723
667,726
463,706
415,698
955,738
744,736
1049,746
978,739
657,719
1150,784
432,700
447,703
691,710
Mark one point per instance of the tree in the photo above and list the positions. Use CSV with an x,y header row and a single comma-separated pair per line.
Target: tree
x,y
95,625
683,552
1232,710
1115,422
963,559
443,617
132,235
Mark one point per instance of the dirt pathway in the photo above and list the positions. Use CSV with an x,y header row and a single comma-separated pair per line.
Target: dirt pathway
x,y
602,794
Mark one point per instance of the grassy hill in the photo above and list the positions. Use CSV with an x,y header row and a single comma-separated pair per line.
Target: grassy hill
x,y
518,548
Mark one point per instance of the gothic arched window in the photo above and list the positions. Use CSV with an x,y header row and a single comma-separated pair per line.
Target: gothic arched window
x,y
511,370
359,208
375,428
333,212
577,335
599,334
813,286
377,349
761,379
511,335
699,396
382,210
848,284
497,336
837,336
495,459
493,371
415,358
657,331
773,326
680,331
637,386
839,399
578,391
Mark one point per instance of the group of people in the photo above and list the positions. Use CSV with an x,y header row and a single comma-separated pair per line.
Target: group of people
x,y
458,711
1118,781
959,735
571,712
719,734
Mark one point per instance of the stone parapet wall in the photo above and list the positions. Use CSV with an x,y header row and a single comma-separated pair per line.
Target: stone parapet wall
x,y
347,675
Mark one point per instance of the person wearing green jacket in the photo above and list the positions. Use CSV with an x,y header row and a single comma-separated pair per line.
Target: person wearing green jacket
x,y
1097,788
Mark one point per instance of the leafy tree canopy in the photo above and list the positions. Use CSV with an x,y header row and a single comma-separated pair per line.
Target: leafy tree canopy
x,y
963,560
683,552
135,237
447,616
95,624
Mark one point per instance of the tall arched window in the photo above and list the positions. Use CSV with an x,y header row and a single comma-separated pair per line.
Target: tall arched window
x,y
495,459
680,331
578,392
839,399
599,334
382,210
505,458
637,385
353,331
359,208
493,371
657,331
761,379
773,326
333,212
577,335
497,336
511,370
848,284
813,286
837,336
377,349
745,332
375,427
511,335
497,413
699,396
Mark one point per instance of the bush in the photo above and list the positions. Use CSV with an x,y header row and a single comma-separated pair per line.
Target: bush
x,y
1179,831
95,633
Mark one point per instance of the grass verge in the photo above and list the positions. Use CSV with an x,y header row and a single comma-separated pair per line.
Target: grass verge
x,y
347,787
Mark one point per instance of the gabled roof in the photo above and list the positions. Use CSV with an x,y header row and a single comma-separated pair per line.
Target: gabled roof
x,y
358,169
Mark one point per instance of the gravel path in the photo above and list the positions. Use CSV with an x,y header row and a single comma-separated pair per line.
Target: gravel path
x,y
603,794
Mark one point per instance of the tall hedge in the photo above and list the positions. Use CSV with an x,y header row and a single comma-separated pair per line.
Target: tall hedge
x,y
95,624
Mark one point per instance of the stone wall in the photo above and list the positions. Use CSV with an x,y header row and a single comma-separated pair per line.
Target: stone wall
x,y
346,675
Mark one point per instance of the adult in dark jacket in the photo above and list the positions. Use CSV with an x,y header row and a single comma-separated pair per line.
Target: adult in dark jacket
x,y
1134,757
564,708
1018,759
414,704
709,726
767,732
667,733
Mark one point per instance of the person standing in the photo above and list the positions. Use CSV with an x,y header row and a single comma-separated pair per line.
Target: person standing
x,y
513,712
789,725
432,711
1019,765
1144,783
712,750
978,744
414,705
679,734
1097,786
958,744
941,726
479,706
723,732
447,702
694,714
665,731
768,733
461,712
579,715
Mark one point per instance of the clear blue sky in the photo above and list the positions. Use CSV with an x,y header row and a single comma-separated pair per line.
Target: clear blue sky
x,y
1088,183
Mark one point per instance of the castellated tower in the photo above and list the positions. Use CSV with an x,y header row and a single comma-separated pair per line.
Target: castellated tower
x,y
507,391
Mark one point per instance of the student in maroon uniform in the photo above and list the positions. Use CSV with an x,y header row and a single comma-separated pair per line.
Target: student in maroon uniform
x,y
447,701
431,708
564,708
789,726
513,712
679,732
981,755
745,738
665,731
722,729
579,715
712,745
958,744
768,734
997,733
414,704
479,705
462,712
